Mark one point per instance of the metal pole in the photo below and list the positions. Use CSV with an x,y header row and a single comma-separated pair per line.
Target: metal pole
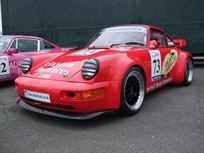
x,y
1,30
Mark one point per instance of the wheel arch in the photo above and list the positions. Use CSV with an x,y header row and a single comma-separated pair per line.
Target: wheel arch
x,y
141,68
132,66
125,107
180,67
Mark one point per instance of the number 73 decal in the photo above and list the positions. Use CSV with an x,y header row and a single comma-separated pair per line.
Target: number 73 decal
x,y
155,64
159,70
4,66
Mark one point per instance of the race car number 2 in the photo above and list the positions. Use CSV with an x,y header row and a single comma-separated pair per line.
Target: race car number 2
x,y
155,65
4,66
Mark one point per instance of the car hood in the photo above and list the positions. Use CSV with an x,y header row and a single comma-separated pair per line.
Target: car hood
x,y
67,65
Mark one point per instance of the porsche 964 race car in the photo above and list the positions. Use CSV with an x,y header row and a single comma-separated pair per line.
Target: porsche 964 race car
x,y
114,72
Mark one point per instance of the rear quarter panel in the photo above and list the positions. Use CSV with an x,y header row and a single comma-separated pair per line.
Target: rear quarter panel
x,y
180,67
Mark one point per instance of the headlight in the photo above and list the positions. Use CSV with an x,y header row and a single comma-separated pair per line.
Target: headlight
x,y
26,65
90,68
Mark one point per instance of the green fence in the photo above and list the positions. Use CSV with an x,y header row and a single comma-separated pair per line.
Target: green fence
x,y
73,22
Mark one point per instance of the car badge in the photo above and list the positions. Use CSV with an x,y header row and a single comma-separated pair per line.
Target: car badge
x,y
66,75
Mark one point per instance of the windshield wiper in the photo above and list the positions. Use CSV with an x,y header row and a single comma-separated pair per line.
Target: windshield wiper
x,y
128,43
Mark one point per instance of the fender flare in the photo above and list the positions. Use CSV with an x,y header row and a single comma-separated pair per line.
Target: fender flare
x,y
180,67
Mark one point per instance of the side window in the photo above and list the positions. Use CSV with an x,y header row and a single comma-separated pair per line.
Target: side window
x,y
13,44
46,46
159,37
170,42
27,45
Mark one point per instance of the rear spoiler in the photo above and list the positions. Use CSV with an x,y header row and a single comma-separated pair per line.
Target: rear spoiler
x,y
180,43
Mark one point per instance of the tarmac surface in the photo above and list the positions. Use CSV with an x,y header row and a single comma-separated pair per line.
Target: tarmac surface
x,y
170,121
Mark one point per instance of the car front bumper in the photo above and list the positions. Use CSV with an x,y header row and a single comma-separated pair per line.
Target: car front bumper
x,y
60,114
109,101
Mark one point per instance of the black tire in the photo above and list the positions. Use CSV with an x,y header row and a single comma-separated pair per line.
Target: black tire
x,y
132,91
188,78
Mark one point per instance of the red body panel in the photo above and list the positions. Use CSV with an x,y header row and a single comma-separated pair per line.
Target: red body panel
x,y
114,63
108,102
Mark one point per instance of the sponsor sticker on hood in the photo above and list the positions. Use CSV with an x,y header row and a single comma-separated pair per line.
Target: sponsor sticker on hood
x,y
87,52
56,68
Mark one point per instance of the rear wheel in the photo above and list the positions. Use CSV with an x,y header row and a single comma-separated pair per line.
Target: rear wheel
x,y
188,73
132,92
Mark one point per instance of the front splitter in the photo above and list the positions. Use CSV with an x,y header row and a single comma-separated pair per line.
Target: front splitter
x,y
66,115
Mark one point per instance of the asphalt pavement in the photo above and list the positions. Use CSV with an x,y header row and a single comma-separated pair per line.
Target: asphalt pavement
x,y
170,121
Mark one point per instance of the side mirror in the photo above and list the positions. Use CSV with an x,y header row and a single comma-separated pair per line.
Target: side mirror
x,y
180,43
12,51
153,44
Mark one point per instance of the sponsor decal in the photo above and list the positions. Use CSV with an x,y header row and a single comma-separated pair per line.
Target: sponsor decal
x,y
52,70
15,64
155,64
159,70
169,62
60,65
4,66
159,84
7,66
44,76
55,68
43,97
127,29
87,52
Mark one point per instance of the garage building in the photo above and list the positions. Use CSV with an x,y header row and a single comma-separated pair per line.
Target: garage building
x,y
73,22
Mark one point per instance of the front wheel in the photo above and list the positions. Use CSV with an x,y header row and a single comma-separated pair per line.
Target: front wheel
x,y
188,72
132,92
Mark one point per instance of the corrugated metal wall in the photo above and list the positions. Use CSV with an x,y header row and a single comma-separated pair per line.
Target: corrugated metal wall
x,y
73,22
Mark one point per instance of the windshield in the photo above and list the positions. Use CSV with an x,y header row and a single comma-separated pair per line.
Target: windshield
x,y
4,41
121,36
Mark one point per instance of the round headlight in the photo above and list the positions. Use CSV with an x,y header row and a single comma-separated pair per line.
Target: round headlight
x,y
26,65
90,68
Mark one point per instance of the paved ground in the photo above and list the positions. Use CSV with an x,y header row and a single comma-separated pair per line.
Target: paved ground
x,y
171,120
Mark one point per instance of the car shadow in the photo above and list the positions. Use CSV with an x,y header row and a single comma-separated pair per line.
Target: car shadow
x,y
164,89
109,118
6,84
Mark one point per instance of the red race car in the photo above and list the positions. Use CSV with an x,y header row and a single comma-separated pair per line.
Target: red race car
x,y
114,72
